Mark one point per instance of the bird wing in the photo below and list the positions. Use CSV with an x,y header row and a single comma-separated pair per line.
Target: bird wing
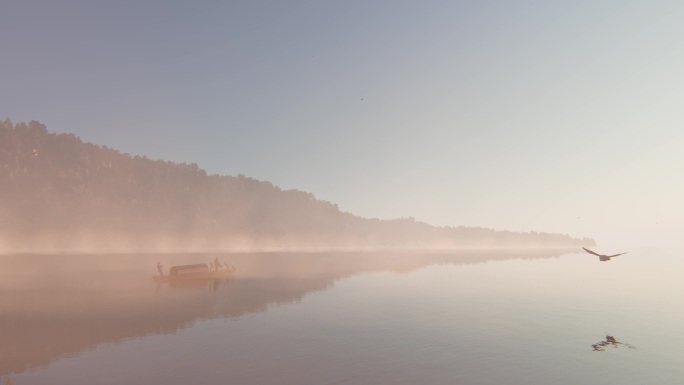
x,y
611,256
591,252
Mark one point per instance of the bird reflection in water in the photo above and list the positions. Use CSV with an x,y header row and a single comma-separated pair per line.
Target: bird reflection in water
x,y
602,257
609,341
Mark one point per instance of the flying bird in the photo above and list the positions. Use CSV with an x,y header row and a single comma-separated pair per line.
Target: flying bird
x,y
602,258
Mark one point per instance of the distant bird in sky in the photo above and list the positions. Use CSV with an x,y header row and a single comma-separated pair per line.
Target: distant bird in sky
x,y
602,258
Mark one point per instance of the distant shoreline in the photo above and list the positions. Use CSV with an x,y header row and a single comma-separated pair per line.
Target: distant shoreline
x,y
319,250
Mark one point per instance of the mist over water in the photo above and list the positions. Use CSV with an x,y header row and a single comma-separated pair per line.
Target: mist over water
x,y
358,318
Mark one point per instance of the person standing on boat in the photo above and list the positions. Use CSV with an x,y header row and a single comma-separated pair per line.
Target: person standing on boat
x,y
160,268
217,264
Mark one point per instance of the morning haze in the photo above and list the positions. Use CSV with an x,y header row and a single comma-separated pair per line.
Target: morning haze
x,y
319,192
63,195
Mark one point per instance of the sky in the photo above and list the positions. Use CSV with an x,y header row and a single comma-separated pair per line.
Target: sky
x,y
561,116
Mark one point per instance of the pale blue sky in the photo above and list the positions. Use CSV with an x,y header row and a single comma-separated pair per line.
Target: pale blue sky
x,y
514,115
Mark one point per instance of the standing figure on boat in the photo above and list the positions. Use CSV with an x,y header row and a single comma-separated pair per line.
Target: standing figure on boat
x,y
160,268
217,264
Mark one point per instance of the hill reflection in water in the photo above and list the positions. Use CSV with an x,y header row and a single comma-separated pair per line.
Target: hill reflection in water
x,y
54,305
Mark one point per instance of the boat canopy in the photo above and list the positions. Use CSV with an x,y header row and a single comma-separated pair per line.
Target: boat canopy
x,y
189,269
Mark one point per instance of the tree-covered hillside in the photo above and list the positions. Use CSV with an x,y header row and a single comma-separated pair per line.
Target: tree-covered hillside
x,y
57,192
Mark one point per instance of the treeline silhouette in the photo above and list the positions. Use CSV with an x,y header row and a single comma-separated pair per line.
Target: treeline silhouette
x,y
57,192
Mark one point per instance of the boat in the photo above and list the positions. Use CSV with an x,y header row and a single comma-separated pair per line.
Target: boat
x,y
199,271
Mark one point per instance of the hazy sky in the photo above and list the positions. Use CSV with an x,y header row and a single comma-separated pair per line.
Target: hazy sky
x,y
523,115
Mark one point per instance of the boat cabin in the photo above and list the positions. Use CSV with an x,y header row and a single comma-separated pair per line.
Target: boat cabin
x,y
200,268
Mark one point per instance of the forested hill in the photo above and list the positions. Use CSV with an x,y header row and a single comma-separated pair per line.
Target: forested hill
x,y
59,193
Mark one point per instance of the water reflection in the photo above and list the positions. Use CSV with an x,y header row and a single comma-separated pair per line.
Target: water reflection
x,y
51,306
194,283
610,341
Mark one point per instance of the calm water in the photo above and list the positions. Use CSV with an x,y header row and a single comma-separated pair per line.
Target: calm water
x,y
345,318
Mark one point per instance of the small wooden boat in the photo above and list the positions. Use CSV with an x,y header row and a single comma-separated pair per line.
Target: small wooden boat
x,y
194,272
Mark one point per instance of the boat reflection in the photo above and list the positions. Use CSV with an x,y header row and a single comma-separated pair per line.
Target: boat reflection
x,y
194,283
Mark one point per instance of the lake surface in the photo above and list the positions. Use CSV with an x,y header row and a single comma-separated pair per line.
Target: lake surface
x,y
524,317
